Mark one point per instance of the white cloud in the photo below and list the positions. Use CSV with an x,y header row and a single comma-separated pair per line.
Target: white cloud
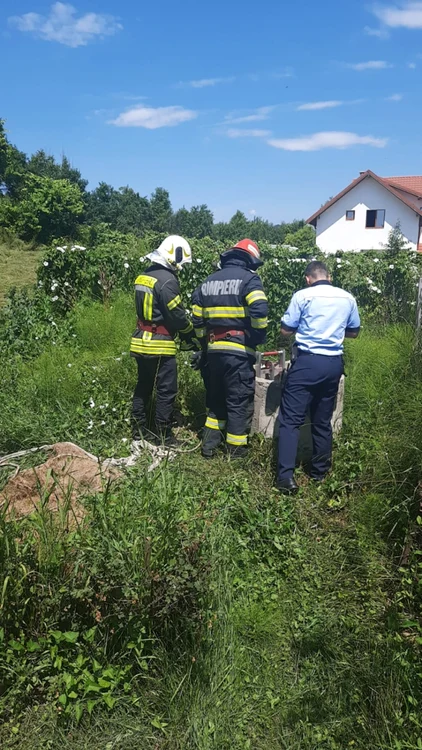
x,y
411,66
407,15
334,139
152,118
380,33
370,65
319,105
262,113
238,133
64,26
394,98
203,83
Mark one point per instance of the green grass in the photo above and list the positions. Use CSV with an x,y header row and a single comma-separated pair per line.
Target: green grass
x,y
18,266
245,619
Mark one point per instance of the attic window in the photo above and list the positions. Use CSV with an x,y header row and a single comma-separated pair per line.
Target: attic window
x,y
375,219
350,215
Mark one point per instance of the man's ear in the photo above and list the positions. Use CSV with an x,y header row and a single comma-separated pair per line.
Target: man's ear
x,y
308,280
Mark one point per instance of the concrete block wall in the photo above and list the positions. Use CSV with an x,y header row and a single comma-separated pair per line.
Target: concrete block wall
x,y
267,403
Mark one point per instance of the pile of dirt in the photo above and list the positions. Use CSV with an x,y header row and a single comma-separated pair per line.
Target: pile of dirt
x,y
69,473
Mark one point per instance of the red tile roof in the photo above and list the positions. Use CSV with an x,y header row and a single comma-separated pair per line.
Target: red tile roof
x,y
412,184
392,184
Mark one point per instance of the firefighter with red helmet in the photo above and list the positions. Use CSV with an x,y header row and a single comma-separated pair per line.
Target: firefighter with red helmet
x,y
230,313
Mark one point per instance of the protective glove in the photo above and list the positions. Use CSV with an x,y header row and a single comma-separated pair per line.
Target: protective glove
x,y
198,360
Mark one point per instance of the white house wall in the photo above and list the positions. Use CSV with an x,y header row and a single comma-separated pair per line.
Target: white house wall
x,y
335,233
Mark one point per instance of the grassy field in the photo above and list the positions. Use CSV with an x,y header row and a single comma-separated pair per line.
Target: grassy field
x,y
18,266
195,608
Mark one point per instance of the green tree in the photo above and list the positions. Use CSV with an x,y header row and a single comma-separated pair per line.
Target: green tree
x,y
303,239
134,212
46,209
396,243
45,165
161,211
13,166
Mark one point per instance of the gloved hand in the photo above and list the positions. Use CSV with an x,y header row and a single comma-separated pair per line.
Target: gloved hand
x,y
198,360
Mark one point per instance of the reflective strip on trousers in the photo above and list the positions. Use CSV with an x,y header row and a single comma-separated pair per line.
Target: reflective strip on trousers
x,y
236,439
215,424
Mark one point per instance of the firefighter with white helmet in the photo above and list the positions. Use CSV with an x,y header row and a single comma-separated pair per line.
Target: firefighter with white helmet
x,y
230,318
161,316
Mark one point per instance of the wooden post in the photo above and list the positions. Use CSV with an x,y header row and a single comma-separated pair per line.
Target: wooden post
x,y
419,307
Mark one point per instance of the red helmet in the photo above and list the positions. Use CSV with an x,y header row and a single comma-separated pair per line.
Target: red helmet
x,y
250,247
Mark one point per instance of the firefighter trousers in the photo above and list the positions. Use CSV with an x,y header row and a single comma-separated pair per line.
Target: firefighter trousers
x,y
161,372
231,402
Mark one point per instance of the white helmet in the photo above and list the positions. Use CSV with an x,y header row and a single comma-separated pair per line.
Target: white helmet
x,y
173,253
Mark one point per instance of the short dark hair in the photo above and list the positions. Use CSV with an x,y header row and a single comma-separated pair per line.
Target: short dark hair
x,y
316,269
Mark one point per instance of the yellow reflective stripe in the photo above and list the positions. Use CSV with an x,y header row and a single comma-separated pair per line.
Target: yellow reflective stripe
x,y
221,346
236,439
201,332
149,347
174,302
188,328
146,336
148,306
225,312
148,281
259,322
196,310
255,296
215,424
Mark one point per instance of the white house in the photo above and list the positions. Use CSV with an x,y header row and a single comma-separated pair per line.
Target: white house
x,y
362,215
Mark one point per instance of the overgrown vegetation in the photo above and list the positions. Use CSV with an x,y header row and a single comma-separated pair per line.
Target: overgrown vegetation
x,y
195,609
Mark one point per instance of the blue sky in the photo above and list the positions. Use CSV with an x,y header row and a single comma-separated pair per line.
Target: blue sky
x,y
267,107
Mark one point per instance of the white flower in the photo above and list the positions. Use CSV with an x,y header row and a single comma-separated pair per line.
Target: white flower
x,y
376,260
45,263
55,298
118,359
102,423
391,266
124,354
102,406
127,420
36,338
124,440
369,280
66,283
126,265
199,260
91,402
113,409
90,424
73,335
70,364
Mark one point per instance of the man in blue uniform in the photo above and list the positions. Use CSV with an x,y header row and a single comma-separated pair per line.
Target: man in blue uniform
x,y
230,318
321,316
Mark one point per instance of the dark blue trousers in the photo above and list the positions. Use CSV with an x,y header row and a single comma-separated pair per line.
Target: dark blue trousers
x,y
312,383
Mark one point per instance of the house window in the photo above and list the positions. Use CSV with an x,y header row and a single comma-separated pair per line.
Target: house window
x,y
350,215
375,219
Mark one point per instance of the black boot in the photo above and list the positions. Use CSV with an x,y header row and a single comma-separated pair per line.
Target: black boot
x,y
287,486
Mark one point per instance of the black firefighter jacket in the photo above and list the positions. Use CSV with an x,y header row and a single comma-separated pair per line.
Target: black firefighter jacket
x,y
230,310
161,314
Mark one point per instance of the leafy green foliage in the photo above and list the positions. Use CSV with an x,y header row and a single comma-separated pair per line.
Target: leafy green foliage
x,y
46,208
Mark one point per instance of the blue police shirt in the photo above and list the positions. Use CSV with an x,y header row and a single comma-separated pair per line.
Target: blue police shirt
x,y
320,315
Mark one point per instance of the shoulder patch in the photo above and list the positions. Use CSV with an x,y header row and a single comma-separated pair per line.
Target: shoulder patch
x,y
148,281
